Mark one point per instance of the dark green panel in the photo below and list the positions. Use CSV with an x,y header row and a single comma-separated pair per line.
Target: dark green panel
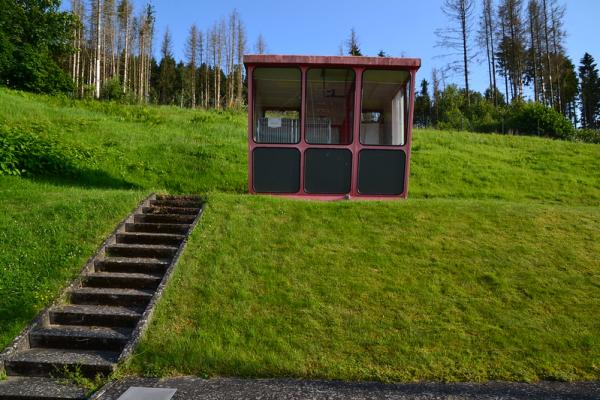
x,y
276,170
327,171
381,172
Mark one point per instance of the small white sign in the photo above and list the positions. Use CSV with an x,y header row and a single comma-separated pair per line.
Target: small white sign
x,y
142,393
274,123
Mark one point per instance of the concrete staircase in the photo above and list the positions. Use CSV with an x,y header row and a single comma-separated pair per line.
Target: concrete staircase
x,y
101,316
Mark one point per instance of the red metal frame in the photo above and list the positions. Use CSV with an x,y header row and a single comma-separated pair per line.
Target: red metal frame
x,y
359,65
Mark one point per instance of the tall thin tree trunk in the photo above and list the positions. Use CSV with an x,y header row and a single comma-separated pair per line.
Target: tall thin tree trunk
x,y
126,56
98,46
463,22
547,39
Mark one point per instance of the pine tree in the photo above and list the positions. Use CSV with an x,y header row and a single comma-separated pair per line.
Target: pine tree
x,y
191,51
568,88
457,36
167,79
511,51
589,92
241,48
487,42
353,45
261,45
423,105
124,12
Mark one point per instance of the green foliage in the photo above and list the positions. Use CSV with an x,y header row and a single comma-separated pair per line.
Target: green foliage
x,y
536,119
74,376
112,90
587,136
450,104
34,35
590,92
27,153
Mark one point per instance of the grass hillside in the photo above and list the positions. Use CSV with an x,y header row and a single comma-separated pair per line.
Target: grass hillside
x,y
489,271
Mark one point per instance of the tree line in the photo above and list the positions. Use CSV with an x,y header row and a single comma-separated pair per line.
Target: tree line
x,y
104,49
522,44
113,58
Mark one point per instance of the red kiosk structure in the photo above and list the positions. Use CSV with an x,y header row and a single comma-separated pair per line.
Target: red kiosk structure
x,y
330,127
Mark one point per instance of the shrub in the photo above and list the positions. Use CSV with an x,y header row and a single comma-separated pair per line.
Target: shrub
x,y
587,136
112,90
27,153
537,119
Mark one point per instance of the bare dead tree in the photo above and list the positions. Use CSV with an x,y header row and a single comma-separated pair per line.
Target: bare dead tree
x,y
487,41
261,45
125,11
191,52
98,47
241,49
457,37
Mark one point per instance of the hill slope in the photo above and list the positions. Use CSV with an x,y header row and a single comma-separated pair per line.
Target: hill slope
x,y
488,271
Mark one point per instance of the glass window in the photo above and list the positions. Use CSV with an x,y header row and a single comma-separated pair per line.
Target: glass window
x,y
277,101
384,100
330,106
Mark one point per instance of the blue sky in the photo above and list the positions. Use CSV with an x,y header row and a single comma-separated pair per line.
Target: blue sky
x,y
399,27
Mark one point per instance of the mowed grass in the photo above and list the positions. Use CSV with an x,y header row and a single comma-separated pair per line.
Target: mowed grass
x,y
423,290
488,271
47,232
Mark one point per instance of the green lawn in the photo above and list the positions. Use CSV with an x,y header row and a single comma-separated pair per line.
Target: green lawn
x,y
489,271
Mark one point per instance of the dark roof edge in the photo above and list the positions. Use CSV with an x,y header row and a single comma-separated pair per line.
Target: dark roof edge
x,y
273,59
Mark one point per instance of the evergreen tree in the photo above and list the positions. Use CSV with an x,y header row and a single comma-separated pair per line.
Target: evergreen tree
x,y
568,89
353,46
589,92
167,80
423,105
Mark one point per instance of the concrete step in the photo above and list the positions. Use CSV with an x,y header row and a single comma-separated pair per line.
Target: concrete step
x,y
90,315
170,210
176,203
141,250
122,280
167,239
25,388
180,229
110,297
131,265
80,337
55,362
178,197
164,218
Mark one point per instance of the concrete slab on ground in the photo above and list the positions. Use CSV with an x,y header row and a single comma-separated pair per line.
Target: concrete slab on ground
x,y
230,389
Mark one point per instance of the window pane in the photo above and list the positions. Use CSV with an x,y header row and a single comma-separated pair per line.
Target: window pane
x,y
383,107
277,100
329,106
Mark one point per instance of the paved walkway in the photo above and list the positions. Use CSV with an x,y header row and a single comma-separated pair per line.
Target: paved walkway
x,y
231,389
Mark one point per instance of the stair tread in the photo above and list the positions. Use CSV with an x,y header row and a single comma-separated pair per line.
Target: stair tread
x,y
123,275
151,210
142,246
178,197
177,203
113,291
98,310
169,215
134,260
66,357
151,234
75,331
40,388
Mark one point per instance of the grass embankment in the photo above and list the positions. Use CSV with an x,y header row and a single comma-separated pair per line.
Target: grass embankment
x,y
489,271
